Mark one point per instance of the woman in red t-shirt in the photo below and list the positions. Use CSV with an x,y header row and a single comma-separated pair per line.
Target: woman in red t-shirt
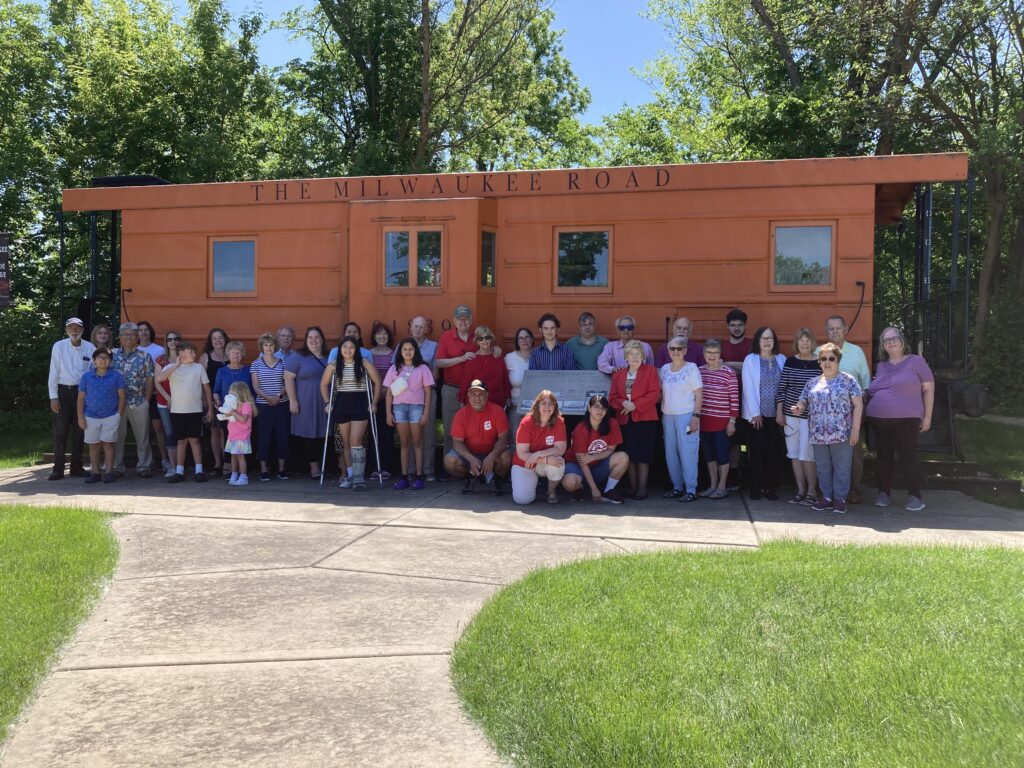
x,y
592,458
540,449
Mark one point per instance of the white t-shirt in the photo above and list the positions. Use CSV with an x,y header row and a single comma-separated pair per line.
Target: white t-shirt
x,y
187,388
154,350
677,388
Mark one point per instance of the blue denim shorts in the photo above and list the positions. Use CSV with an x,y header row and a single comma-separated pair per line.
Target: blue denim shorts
x,y
407,413
600,470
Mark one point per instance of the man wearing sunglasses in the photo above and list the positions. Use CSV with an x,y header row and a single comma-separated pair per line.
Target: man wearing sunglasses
x,y
854,363
612,357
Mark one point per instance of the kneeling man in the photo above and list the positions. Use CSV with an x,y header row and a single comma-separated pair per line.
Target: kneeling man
x,y
480,442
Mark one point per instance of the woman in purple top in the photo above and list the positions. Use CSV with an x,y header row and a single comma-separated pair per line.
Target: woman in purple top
x,y
900,402
382,355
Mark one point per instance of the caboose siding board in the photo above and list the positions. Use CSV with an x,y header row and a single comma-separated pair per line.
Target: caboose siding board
x,y
694,239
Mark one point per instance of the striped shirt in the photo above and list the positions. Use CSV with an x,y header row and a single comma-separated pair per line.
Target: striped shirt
x,y
795,374
270,378
721,400
558,359
347,381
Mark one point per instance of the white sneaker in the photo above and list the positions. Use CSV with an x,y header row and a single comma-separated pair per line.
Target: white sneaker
x,y
914,504
170,472
242,480
233,479
345,482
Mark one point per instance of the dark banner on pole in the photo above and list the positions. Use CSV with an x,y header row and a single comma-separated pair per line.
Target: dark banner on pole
x,y
5,270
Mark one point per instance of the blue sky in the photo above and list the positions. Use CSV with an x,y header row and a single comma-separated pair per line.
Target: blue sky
x,y
604,40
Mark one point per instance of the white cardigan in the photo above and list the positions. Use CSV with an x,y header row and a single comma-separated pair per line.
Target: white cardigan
x,y
752,384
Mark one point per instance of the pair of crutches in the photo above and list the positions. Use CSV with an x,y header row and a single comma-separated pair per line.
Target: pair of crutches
x,y
373,426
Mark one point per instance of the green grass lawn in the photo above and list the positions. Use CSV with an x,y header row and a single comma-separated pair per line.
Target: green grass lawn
x,y
792,655
999,447
25,438
53,562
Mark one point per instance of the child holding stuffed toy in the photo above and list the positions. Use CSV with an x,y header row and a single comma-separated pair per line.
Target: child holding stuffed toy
x,y
239,419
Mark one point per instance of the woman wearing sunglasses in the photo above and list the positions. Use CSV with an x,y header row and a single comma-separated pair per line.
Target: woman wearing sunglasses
x,y
833,403
489,369
900,402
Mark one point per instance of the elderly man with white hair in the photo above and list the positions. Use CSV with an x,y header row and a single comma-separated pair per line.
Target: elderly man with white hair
x,y
69,359
612,357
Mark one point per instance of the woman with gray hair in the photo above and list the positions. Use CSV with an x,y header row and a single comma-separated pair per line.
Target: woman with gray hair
x,y
682,394
900,402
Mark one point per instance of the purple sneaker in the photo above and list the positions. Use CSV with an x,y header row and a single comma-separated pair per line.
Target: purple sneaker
x,y
840,506
402,483
822,505
418,484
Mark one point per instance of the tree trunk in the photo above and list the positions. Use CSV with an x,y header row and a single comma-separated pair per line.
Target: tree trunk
x,y
995,203
425,102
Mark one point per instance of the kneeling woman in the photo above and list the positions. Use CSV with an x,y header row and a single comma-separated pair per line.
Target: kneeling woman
x,y
592,458
540,448
354,400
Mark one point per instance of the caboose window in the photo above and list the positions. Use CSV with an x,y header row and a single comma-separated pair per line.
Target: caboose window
x,y
487,259
233,267
583,259
412,258
803,255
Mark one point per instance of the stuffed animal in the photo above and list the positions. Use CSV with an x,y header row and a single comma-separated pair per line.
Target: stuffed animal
x,y
230,404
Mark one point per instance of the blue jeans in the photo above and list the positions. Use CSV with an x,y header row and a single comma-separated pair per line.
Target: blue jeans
x,y
169,436
681,451
835,465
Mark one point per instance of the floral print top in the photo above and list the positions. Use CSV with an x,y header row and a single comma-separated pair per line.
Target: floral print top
x,y
830,407
136,368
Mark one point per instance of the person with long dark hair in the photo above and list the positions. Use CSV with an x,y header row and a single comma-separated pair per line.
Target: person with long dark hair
x,y
213,358
409,393
762,377
352,406
382,355
593,457
303,370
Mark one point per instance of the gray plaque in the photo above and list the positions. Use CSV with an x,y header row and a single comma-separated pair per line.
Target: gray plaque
x,y
572,389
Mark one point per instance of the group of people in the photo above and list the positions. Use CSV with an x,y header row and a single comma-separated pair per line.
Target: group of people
x,y
703,399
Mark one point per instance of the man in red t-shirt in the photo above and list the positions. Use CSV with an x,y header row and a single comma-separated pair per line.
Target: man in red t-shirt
x,y
479,442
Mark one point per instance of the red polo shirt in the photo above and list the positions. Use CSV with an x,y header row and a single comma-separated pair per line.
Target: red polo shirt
x,y
450,345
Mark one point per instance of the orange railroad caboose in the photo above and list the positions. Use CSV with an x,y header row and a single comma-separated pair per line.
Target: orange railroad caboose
x,y
789,241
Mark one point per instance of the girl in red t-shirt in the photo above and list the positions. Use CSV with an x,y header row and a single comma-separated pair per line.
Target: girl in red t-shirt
x,y
540,447
592,458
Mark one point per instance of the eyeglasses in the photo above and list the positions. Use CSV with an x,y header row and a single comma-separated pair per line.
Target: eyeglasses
x,y
524,338
827,359
485,338
676,349
174,338
891,340
626,327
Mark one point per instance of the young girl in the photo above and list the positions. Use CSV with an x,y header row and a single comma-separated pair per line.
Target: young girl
x,y
408,391
240,432
354,400
593,459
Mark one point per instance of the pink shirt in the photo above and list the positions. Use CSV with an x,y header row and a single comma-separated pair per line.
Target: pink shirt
x,y
241,430
418,379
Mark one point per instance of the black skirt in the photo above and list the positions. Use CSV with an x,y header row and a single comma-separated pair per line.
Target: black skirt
x,y
639,439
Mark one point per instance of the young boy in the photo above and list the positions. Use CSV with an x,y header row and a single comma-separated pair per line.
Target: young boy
x,y
101,399
190,397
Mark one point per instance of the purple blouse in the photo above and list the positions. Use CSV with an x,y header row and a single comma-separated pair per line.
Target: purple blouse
x,y
896,390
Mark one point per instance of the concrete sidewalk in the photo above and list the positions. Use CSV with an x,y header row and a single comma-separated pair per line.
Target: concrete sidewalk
x,y
278,625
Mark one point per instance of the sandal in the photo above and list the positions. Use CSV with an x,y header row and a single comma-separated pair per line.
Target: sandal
x,y
552,498
718,493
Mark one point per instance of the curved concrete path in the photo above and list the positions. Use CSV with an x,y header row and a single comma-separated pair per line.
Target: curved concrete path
x,y
277,625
